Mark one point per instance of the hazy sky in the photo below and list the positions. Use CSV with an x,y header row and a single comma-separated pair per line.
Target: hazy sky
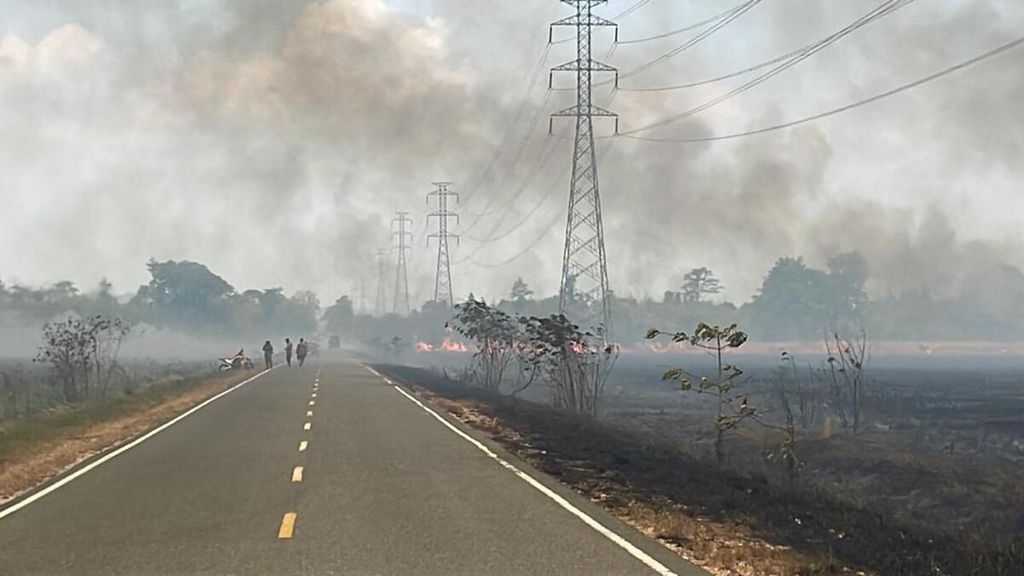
x,y
273,140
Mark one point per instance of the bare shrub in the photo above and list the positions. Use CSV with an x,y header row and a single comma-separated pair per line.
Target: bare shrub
x,y
83,352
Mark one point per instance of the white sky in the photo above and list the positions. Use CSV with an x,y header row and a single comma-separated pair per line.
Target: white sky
x,y
272,139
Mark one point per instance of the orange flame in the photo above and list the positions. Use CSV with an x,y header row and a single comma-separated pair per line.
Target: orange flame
x,y
451,345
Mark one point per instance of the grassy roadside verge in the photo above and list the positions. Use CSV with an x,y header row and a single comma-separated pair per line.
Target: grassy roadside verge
x,y
728,523
38,448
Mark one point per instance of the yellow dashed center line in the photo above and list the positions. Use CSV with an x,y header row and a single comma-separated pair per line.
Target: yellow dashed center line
x,y
297,474
287,526
303,445
307,425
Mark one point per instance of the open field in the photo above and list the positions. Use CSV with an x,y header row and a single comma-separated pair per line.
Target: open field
x,y
940,458
40,446
928,433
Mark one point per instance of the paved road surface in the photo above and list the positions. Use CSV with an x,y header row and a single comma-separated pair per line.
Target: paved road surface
x,y
385,488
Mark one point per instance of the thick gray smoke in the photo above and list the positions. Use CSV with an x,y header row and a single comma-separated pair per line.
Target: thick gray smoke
x,y
272,140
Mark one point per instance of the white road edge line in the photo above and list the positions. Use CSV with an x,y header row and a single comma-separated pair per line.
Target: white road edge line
x,y
637,553
111,455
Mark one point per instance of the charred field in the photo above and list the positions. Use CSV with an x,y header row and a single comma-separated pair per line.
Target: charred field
x,y
934,476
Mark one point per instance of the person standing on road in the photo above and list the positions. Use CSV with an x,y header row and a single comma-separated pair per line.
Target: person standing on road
x,y
300,351
268,354
288,351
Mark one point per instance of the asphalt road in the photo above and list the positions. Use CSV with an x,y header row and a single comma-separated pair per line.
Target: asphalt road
x,y
385,487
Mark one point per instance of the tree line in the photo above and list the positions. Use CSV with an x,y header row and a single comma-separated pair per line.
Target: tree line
x,y
795,302
180,295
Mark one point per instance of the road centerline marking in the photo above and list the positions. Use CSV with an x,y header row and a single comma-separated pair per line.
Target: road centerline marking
x,y
297,474
312,402
303,445
621,542
307,425
287,526
309,412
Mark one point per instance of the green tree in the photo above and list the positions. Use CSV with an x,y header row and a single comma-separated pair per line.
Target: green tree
x,y
521,294
793,303
697,283
340,316
184,293
847,275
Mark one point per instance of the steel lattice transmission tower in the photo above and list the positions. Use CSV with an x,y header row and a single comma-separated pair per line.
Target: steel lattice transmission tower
x,y
380,306
443,280
584,265
403,238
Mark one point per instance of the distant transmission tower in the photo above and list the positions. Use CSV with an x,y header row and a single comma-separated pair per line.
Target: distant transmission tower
x,y
443,280
403,237
584,265
380,306
362,296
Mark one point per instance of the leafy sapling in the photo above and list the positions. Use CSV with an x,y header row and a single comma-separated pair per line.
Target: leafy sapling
x,y
731,407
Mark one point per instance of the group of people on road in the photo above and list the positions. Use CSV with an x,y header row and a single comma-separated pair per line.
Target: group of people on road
x,y
301,350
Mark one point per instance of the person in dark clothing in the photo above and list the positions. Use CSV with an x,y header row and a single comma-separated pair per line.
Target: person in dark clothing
x,y
268,354
288,351
300,351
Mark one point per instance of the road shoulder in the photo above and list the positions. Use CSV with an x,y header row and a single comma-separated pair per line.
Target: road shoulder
x,y
630,534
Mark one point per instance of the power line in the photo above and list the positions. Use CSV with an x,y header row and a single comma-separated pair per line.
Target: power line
x,y
754,68
707,81
546,229
688,28
520,109
886,8
990,54
628,11
529,215
728,19
520,151
504,209
636,6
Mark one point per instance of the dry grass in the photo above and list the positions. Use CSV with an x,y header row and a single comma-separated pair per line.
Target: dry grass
x,y
35,450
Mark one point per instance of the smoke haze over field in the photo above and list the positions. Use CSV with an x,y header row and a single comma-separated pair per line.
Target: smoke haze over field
x,y
273,140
